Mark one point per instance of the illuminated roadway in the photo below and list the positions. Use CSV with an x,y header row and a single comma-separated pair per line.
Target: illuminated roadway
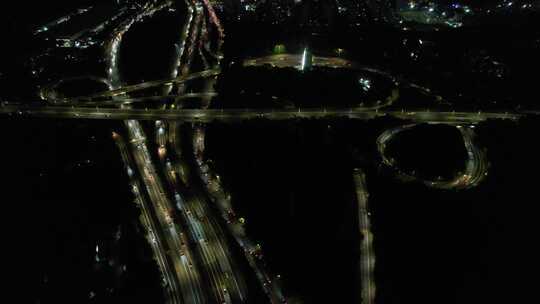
x,y
192,201
476,165
188,242
367,253
209,115
186,269
142,86
224,280
154,235
228,284
253,253
198,250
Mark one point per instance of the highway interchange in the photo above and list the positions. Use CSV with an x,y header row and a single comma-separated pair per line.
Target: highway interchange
x,y
235,115
177,190
205,270
476,166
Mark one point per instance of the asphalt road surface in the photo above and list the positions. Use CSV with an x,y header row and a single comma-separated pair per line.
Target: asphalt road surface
x,y
476,166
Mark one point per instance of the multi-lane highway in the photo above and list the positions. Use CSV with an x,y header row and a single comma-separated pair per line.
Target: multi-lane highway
x,y
234,115
179,193
192,200
186,269
204,266
151,224
269,283
227,283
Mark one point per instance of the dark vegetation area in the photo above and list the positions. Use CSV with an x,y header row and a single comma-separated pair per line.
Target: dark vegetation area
x,y
432,151
66,192
267,87
293,183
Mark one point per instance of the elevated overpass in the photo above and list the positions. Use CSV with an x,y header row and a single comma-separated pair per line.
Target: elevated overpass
x,y
234,115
